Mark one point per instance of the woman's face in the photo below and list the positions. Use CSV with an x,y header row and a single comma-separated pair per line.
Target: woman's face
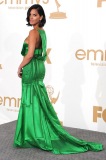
x,y
34,17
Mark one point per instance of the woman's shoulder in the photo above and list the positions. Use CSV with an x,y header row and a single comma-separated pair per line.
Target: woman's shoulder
x,y
33,31
36,29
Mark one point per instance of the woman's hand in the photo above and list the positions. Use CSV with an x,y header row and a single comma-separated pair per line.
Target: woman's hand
x,y
19,72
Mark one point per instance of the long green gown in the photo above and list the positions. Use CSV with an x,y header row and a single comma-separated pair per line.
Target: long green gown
x,y
38,125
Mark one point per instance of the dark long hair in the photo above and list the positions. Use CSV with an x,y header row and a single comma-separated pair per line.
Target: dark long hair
x,y
41,12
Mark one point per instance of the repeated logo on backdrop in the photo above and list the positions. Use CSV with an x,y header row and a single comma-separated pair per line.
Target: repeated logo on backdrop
x,y
48,58
9,101
54,15
25,1
58,14
92,55
99,112
50,91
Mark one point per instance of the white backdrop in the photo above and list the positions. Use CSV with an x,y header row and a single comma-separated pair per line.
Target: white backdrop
x,y
76,65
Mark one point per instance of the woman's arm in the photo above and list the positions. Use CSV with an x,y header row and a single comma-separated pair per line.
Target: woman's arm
x,y
33,35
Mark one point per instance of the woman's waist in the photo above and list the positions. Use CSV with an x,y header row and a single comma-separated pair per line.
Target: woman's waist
x,y
37,52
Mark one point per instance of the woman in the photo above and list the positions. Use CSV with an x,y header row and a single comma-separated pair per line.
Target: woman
x,y
38,124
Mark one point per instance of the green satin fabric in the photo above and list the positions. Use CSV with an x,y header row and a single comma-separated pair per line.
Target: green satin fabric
x,y
38,125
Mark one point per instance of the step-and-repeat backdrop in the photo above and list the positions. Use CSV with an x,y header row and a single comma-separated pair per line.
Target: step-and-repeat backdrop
x,y
76,64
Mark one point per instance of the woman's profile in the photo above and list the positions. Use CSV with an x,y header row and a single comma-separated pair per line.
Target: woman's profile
x,y
38,125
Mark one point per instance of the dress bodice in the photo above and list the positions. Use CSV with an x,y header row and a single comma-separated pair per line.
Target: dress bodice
x,y
39,53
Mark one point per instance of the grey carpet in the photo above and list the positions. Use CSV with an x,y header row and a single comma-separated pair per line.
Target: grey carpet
x,y
7,152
